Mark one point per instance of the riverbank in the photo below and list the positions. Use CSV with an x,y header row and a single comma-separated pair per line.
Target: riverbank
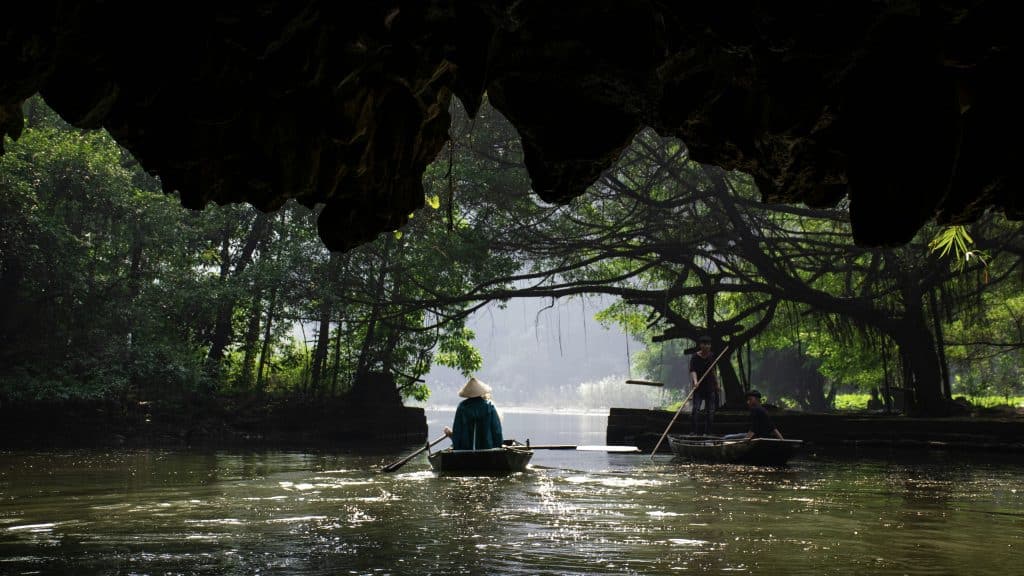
x,y
333,423
210,423
996,433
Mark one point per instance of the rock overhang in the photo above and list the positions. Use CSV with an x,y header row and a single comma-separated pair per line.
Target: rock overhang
x,y
907,108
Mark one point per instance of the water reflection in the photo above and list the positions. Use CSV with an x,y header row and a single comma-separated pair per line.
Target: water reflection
x,y
158,512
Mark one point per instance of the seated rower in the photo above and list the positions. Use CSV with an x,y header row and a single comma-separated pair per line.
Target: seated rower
x,y
477,425
761,425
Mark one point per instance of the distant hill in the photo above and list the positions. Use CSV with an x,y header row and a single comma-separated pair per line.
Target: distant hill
x,y
536,354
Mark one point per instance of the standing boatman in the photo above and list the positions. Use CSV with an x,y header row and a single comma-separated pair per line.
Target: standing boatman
x,y
705,391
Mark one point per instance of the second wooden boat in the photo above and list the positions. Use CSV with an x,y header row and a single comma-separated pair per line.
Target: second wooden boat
x,y
761,451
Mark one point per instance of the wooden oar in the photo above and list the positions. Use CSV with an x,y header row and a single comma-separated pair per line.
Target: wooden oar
x,y
645,382
398,464
585,448
669,427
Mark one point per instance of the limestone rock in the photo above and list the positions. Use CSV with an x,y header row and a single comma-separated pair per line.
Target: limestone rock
x,y
905,108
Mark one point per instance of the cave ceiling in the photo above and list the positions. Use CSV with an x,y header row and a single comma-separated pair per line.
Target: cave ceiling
x,y
908,109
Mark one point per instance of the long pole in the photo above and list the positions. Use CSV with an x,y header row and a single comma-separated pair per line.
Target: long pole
x,y
669,427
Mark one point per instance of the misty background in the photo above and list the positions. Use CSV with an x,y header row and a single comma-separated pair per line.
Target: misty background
x,y
539,353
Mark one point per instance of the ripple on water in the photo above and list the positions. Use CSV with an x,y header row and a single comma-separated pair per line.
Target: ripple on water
x,y
613,481
302,515
216,522
295,519
686,542
43,527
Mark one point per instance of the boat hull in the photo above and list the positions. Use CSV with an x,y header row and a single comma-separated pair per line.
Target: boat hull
x,y
759,451
503,460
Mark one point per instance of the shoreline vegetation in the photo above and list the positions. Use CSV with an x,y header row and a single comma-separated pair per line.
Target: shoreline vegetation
x,y
847,402
331,424
857,403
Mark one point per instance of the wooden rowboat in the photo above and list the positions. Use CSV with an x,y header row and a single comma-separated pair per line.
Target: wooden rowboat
x,y
503,460
761,451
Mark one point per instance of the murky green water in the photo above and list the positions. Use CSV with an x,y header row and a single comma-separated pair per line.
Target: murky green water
x,y
165,512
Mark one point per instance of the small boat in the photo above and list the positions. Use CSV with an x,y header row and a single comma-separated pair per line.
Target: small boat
x,y
503,460
762,451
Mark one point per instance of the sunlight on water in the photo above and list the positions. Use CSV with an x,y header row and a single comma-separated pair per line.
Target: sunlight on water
x,y
685,542
611,482
33,527
296,519
160,512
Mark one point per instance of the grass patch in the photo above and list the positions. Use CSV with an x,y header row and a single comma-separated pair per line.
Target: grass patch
x,y
860,401
994,401
852,401
672,407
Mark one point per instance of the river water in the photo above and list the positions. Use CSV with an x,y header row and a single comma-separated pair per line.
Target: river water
x,y
289,513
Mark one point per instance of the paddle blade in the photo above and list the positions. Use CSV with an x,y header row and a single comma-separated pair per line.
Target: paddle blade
x,y
398,464
596,448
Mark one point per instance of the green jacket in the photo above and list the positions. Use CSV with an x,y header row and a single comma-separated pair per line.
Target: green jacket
x,y
476,426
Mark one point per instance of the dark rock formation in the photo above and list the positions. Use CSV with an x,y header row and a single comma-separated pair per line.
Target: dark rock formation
x,y
294,423
906,107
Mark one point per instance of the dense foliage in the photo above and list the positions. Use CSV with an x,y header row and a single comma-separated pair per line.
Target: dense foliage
x,y
108,289
690,249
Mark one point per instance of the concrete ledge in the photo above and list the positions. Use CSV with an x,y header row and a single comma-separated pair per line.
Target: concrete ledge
x,y
643,428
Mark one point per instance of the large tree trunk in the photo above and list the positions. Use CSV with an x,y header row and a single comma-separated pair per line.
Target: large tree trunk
x,y
320,349
735,388
130,328
226,309
336,363
910,332
394,330
921,361
323,334
886,380
251,341
734,392
814,397
940,345
222,324
390,344
265,352
365,353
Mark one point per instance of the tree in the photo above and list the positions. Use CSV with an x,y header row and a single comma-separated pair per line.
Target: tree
x,y
691,249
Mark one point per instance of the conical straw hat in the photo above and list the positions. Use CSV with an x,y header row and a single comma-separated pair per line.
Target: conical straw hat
x,y
474,388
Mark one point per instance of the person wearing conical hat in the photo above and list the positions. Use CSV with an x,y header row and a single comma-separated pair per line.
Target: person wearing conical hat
x,y
476,425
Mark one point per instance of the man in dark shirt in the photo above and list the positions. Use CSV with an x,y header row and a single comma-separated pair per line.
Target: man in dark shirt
x,y
761,425
706,391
